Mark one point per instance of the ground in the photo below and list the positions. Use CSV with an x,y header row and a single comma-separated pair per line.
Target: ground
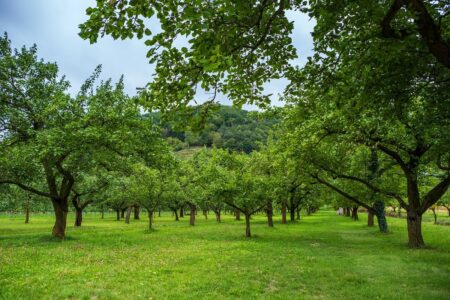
x,y
323,256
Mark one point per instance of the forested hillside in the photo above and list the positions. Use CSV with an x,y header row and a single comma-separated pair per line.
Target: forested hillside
x,y
227,127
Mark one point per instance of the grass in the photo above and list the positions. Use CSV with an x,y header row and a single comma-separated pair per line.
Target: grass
x,y
188,153
324,256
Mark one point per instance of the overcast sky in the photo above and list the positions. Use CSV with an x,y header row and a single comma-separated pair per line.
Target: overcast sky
x,y
53,26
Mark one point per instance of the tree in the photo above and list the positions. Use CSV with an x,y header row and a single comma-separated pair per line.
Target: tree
x,y
85,191
48,137
146,189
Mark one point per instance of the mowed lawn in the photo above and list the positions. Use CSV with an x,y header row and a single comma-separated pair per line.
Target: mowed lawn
x,y
323,256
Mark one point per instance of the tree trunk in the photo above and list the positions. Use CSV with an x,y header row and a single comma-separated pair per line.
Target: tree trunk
x,y
205,213
150,219
292,215
347,211
60,208
181,212
78,217
399,211
434,215
283,213
175,212
136,212
448,210
298,213
308,211
192,215
379,206
27,214
127,218
122,213
414,222
218,216
117,215
370,218
238,215
159,212
247,226
355,213
269,211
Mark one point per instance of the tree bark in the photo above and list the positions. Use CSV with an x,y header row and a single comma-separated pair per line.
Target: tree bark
x,y
269,210
136,212
347,211
434,215
247,226
61,209
27,214
292,215
205,213
78,217
370,218
175,212
150,219
181,212
283,213
414,222
159,212
122,213
127,218
217,212
298,213
355,213
117,215
192,215
238,215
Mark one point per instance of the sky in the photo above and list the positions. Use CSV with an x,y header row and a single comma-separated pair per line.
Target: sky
x,y
53,26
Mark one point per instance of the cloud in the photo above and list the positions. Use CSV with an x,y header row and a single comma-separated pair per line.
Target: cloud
x,y
53,26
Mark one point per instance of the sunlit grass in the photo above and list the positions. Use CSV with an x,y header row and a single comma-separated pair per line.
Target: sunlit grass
x,y
324,256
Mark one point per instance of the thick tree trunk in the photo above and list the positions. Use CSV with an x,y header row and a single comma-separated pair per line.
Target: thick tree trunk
x,y
122,213
175,212
127,218
269,210
298,213
347,211
238,215
117,215
192,215
414,222
78,217
181,212
136,212
217,212
292,215
60,208
355,213
283,213
27,214
247,226
370,218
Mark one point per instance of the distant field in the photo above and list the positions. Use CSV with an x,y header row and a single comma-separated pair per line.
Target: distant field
x,y
188,153
324,256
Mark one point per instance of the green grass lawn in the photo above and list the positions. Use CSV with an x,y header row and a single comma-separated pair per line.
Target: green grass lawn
x,y
324,256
